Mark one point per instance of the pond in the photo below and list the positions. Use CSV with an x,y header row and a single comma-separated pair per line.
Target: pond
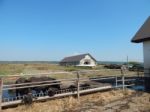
x,y
138,88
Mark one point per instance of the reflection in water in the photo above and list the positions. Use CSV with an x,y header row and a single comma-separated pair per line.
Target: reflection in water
x,y
12,93
138,88
9,94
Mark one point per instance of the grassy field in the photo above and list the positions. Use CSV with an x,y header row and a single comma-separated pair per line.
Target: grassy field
x,y
14,69
18,69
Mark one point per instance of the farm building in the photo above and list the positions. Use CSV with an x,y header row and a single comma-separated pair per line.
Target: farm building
x,y
143,35
79,60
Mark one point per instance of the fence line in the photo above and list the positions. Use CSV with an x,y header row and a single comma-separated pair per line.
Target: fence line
x,y
77,92
52,81
38,74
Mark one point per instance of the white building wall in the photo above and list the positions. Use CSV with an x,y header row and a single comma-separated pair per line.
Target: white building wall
x,y
146,49
87,57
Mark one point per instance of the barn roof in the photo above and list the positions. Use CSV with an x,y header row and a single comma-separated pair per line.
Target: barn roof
x,y
75,58
143,33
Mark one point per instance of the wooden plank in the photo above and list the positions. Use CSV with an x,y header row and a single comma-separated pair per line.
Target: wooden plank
x,y
13,88
116,82
30,83
38,74
59,95
78,86
21,84
123,82
126,80
101,78
1,92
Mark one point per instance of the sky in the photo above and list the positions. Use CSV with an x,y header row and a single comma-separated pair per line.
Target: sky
x,y
48,30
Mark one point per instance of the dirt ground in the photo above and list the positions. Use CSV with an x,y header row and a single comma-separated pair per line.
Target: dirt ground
x,y
108,101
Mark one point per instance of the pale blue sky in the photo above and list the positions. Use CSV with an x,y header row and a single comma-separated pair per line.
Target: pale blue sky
x,y
49,30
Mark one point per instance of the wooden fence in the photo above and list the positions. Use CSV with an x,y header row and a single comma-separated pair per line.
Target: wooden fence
x,y
60,93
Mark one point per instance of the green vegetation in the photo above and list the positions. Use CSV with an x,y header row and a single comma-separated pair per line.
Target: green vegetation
x,y
15,69
134,63
25,69
6,69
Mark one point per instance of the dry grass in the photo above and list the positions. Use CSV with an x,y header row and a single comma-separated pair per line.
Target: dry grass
x,y
6,69
17,69
13,69
71,104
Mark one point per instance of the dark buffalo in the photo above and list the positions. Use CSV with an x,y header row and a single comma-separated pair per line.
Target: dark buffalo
x,y
28,98
73,87
113,66
22,91
52,91
45,88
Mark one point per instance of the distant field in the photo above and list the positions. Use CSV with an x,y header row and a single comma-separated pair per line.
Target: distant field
x,y
17,69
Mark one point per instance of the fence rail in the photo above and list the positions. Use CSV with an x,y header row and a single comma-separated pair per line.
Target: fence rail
x,y
61,93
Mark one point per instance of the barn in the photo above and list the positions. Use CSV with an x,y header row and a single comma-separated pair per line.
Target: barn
x,y
143,36
79,60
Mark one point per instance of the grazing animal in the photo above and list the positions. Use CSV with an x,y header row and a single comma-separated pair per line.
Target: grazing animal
x,y
72,88
85,85
43,88
28,98
50,89
22,91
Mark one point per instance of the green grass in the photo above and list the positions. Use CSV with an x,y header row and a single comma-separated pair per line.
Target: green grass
x,y
17,69
13,69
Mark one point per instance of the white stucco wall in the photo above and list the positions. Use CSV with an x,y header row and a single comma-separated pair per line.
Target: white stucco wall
x,y
87,57
146,50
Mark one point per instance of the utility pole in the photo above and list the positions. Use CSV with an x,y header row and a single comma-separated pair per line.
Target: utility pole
x,y
1,92
127,62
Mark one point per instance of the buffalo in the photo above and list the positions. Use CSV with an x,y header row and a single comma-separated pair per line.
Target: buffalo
x,y
45,88
28,98
22,91
50,89
113,66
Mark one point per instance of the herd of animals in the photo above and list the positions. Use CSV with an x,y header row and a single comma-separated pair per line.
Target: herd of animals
x,y
38,89
50,90
135,67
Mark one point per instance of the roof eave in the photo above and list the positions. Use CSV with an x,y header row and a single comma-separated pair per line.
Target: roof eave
x,y
140,40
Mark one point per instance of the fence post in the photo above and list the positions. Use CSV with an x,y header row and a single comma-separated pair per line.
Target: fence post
x,y
138,73
1,92
123,68
123,82
116,82
78,86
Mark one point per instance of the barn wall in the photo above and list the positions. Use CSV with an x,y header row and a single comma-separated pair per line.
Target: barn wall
x,y
87,57
146,49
